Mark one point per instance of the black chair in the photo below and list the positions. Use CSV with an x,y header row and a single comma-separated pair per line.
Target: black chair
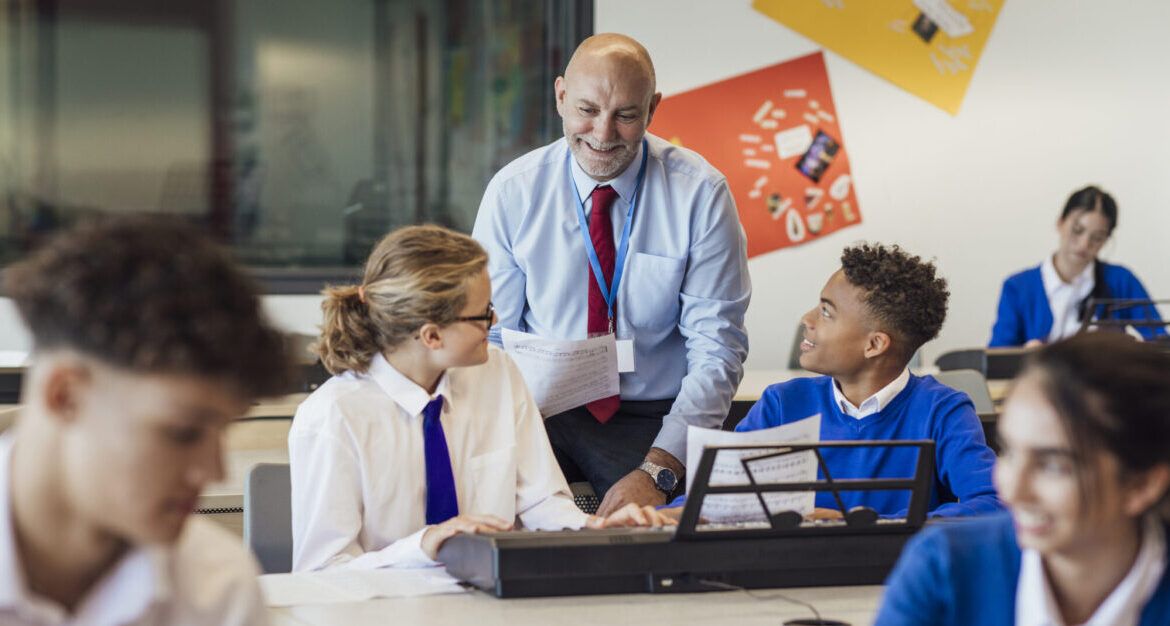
x,y
966,359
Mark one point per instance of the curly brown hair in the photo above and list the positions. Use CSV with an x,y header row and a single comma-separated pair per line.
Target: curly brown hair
x,y
902,292
150,295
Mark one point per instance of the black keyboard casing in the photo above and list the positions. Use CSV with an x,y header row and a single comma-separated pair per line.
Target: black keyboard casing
x,y
534,564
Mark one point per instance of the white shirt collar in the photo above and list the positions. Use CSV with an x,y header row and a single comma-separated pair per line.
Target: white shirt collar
x,y
1036,605
1053,281
624,184
404,391
1063,298
874,403
127,592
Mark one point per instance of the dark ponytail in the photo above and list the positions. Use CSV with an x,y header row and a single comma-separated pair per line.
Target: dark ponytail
x,y
1090,199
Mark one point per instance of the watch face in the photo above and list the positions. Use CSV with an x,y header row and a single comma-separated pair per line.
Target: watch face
x,y
666,480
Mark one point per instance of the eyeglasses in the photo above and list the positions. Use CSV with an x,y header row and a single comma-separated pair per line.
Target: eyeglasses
x,y
488,316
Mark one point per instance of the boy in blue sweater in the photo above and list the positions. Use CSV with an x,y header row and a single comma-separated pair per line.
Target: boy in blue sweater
x,y
873,314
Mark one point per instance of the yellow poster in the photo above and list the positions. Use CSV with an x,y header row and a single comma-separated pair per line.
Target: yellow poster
x,y
927,47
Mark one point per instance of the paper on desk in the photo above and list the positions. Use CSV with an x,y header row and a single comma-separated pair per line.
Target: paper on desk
x,y
800,467
335,586
564,374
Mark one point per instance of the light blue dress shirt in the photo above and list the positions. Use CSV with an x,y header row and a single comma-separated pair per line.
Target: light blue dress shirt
x,y
685,289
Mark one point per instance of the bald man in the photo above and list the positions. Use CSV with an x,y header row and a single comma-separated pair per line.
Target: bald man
x,y
557,222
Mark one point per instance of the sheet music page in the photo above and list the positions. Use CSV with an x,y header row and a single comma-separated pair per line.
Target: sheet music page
x,y
799,467
564,374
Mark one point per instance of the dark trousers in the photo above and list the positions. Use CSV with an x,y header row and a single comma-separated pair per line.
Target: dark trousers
x,y
603,454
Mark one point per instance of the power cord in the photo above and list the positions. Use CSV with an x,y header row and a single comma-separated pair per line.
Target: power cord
x,y
767,597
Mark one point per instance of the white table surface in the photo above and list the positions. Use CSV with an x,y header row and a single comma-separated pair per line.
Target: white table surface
x,y
855,605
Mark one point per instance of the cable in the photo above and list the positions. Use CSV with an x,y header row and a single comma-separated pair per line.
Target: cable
x,y
752,594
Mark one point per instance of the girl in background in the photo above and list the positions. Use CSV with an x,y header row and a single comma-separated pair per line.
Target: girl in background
x,y
1048,302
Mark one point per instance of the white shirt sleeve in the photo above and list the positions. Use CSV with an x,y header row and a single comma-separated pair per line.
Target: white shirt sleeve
x,y
327,510
215,582
543,499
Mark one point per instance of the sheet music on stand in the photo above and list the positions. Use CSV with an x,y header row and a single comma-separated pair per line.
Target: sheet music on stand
x,y
788,521
728,469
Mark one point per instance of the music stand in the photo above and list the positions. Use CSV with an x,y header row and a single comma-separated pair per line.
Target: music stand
x,y
1100,313
690,526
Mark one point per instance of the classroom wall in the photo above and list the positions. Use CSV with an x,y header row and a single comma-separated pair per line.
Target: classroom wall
x,y
1067,92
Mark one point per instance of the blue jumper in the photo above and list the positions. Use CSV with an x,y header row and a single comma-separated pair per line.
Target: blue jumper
x,y
925,409
966,572
1024,313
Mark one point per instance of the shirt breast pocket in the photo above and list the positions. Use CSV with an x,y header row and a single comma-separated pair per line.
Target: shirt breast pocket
x,y
493,483
651,289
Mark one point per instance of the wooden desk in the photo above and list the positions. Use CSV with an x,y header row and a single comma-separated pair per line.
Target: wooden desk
x,y
755,381
248,442
856,605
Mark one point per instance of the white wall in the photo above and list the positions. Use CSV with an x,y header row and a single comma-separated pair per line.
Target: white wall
x,y
1067,92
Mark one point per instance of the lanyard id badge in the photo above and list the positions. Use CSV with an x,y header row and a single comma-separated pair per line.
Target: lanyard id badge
x,y
609,292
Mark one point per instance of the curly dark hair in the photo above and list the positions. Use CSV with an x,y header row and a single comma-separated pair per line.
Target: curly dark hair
x,y
150,295
903,292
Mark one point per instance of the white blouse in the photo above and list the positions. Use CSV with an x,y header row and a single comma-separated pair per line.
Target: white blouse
x,y
1036,605
1063,298
358,466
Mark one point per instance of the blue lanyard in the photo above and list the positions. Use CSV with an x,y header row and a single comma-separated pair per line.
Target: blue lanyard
x,y
609,294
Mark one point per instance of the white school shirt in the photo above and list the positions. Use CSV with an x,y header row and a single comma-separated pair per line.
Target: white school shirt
x,y
358,466
874,403
1063,298
1036,606
206,578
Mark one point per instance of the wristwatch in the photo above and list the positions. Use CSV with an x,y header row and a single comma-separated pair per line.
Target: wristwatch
x,y
663,477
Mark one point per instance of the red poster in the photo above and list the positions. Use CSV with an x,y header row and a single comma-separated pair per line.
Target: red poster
x,y
775,134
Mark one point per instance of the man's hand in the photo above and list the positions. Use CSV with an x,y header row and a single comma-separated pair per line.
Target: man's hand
x,y
434,536
637,487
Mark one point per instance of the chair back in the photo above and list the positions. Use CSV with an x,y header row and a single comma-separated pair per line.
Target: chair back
x,y
973,384
966,359
268,516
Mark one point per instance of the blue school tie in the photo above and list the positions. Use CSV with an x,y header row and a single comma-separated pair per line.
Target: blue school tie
x,y
441,502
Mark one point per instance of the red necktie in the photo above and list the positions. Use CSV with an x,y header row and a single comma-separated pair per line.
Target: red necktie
x,y
601,232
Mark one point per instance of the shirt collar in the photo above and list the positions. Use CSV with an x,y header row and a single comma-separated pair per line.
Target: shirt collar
x,y
625,184
404,391
139,580
874,403
1053,281
1036,604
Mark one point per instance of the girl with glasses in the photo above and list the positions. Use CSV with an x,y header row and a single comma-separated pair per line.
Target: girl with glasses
x,y
425,430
